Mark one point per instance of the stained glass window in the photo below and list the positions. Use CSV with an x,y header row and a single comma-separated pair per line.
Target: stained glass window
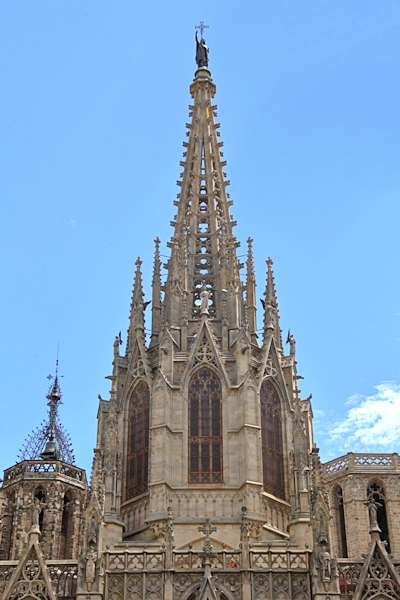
x,y
138,441
271,440
205,435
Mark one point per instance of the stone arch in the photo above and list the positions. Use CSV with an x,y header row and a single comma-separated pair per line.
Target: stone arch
x,y
376,491
272,440
66,526
194,591
339,520
137,463
7,526
205,426
40,493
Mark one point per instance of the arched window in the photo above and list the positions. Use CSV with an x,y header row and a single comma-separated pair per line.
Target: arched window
x,y
7,529
271,440
340,521
65,541
376,492
41,496
138,441
205,431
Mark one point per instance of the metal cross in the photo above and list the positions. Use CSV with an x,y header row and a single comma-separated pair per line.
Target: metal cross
x,y
202,27
207,528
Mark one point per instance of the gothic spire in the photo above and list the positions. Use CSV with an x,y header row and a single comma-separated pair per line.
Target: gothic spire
x,y
203,247
271,313
49,441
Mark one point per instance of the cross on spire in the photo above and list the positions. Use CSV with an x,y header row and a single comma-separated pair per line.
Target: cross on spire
x,y
202,27
207,528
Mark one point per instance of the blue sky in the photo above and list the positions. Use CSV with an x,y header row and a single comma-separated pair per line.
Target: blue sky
x,y
93,107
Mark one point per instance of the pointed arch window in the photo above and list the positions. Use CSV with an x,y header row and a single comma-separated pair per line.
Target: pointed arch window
x,y
66,527
7,530
340,521
271,440
376,492
138,441
205,428
41,496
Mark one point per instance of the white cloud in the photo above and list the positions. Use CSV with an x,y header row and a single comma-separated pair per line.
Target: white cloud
x,y
317,412
371,425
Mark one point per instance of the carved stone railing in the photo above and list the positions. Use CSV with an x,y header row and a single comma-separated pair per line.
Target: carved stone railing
x,y
34,468
227,559
140,572
349,574
63,575
276,561
7,568
360,462
149,559
134,560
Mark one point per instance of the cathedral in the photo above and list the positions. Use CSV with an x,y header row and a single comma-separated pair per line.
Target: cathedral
x,y
206,482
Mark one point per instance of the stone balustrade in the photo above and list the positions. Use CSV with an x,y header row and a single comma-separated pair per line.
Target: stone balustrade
x,y
352,463
30,469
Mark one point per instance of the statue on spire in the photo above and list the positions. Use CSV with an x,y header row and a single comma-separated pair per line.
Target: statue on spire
x,y
201,48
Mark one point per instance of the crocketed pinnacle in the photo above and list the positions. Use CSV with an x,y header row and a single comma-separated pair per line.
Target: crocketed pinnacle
x,y
271,313
137,318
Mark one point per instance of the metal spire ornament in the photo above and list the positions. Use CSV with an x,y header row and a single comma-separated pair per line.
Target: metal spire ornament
x,y
50,441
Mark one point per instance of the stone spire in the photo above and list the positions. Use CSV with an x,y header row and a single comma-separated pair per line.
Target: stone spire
x,y
271,313
251,292
50,441
137,312
156,295
203,247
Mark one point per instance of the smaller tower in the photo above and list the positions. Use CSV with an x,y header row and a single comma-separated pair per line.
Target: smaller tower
x,y
44,489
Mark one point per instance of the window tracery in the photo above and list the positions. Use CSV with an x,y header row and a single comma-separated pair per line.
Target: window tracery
x,y
205,428
138,441
271,440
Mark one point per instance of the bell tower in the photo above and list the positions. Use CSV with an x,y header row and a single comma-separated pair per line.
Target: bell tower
x,y
206,416
44,492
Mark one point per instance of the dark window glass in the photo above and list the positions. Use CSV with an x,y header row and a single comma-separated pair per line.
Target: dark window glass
x,y
271,438
376,492
341,523
138,436
205,435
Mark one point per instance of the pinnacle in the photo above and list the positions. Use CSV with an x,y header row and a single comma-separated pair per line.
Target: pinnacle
x,y
271,314
270,292
250,263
